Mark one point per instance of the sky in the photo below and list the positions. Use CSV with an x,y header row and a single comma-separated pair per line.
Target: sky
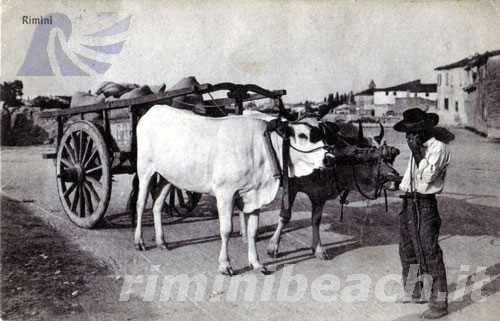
x,y
309,48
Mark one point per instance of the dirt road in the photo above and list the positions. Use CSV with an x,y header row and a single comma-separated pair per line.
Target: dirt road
x,y
358,282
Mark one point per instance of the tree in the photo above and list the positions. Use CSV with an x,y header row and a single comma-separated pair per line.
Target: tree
x,y
372,85
352,101
11,93
331,100
307,106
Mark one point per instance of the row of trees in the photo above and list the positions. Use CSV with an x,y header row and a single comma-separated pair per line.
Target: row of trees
x,y
337,100
333,101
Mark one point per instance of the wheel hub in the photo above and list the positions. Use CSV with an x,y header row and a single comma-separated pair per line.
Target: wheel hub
x,y
80,173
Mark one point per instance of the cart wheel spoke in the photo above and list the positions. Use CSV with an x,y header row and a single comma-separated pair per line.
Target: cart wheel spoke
x,y
88,198
76,199
68,191
82,201
95,183
87,162
74,142
70,151
66,163
88,145
80,146
180,196
92,191
93,170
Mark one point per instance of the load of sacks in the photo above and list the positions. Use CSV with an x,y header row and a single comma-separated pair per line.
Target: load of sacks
x,y
109,91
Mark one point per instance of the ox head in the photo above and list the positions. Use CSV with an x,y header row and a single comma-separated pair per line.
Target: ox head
x,y
307,146
364,162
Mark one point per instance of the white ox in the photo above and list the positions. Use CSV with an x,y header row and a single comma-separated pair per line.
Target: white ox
x,y
223,157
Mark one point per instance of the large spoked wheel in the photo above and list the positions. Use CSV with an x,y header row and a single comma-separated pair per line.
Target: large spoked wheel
x,y
83,174
179,201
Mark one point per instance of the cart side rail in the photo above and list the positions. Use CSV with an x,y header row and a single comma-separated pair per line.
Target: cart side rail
x,y
235,92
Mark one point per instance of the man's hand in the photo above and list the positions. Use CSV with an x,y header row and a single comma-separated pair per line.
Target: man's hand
x,y
415,144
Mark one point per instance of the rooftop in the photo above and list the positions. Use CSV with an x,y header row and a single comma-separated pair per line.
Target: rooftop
x,y
366,92
474,60
415,86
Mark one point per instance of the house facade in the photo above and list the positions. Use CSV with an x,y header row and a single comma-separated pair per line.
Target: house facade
x,y
364,97
412,89
469,93
451,97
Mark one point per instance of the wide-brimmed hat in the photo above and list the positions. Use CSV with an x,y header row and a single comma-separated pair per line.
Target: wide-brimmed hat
x,y
415,120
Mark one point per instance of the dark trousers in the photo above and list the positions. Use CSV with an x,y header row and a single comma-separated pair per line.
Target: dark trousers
x,y
419,250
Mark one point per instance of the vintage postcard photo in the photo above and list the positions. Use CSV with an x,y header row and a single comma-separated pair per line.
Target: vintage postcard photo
x,y
250,160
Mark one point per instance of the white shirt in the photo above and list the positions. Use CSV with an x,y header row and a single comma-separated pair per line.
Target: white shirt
x,y
428,177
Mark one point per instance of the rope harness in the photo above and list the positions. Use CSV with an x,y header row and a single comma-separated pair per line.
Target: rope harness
x,y
379,183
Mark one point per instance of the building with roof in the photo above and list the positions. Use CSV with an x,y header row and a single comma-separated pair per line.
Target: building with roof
x,y
415,88
468,93
364,97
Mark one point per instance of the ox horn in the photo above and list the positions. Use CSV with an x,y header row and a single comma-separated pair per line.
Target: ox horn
x,y
380,136
360,131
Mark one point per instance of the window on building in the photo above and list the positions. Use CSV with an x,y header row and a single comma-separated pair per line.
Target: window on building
x,y
446,79
415,95
456,106
426,94
446,102
439,79
394,93
474,76
387,93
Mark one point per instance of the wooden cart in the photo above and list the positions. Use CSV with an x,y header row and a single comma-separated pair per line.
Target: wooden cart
x,y
91,146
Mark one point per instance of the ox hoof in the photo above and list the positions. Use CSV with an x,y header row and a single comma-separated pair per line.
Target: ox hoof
x,y
162,245
140,246
227,270
272,251
321,254
262,269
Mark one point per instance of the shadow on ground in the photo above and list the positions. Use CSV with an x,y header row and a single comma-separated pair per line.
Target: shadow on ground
x,y
42,274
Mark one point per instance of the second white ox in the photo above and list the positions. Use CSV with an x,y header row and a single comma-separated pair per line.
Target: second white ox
x,y
223,157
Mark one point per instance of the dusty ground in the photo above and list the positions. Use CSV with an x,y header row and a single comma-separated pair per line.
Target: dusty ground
x,y
364,243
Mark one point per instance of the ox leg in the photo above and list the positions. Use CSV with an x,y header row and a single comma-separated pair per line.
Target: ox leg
x,y
225,208
317,212
144,179
159,200
243,226
274,242
132,199
253,226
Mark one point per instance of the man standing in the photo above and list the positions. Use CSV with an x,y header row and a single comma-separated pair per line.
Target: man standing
x,y
419,250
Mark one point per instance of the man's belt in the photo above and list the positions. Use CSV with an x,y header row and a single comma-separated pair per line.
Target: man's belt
x,y
418,195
